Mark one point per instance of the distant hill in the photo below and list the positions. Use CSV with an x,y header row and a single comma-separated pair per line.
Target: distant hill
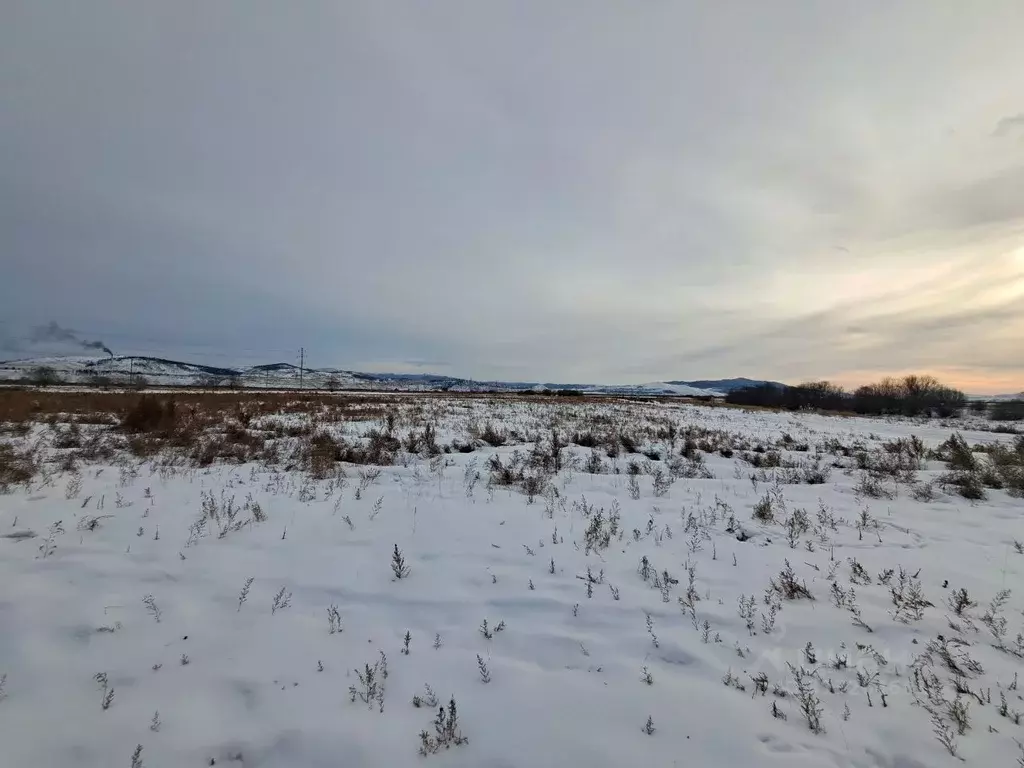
x,y
1018,396
726,385
162,372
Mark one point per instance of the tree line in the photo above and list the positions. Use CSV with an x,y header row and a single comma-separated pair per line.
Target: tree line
x,y
912,395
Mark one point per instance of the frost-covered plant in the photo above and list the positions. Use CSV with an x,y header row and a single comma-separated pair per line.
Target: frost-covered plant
x,y
481,665
370,690
427,699
281,601
333,620
447,733
807,699
152,607
787,585
908,598
650,631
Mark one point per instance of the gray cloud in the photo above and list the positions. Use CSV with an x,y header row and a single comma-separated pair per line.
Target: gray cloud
x,y
522,190
1009,124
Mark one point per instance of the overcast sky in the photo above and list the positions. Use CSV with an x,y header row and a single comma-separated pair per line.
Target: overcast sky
x,y
565,191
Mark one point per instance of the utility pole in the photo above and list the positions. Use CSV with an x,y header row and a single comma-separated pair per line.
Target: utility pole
x,y
302,360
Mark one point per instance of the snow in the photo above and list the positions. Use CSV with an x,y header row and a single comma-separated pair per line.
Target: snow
x,y
565,672
661,387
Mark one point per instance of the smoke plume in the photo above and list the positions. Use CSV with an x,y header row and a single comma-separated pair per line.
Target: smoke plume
x,y
53,332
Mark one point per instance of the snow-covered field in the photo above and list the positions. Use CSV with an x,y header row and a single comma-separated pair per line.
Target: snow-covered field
x,y
580,609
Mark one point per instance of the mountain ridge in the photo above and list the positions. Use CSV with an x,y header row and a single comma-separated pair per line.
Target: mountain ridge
x,y
727,385
86,369
164,371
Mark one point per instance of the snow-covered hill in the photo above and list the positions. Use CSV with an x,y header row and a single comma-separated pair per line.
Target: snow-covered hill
x,y
161,372
726,385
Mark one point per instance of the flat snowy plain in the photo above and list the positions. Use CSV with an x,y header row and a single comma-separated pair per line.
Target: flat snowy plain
x,y
635,612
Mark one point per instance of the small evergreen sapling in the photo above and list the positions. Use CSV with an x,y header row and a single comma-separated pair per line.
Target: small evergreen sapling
x,y
401,570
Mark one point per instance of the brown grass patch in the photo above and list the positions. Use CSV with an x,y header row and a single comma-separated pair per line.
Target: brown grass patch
x,y
16,466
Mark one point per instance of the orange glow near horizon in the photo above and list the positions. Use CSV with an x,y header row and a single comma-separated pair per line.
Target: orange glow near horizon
x,y
970,381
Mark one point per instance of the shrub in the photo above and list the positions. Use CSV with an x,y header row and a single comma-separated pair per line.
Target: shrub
x,y
150,415
957,454
763,511
873,487
380,449
446,731
99,380
493,436
966,473
1007,410
15,466
821,395
924,492
44,376
1005,468
910,396
533,486
787,585
968,484
323,453
68,438
766,460
586,439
